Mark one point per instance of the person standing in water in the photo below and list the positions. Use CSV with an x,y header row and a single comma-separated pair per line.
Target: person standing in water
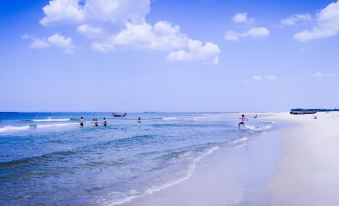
x,y
242,121
95,121
105,122
139,121
82,121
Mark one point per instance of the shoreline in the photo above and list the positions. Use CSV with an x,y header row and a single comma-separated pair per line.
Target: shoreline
x,y
234,175
293,165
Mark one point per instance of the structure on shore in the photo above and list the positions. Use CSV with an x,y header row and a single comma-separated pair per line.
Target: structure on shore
x,y
311,111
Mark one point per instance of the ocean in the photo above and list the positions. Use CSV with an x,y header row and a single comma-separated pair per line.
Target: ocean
x,y
54,161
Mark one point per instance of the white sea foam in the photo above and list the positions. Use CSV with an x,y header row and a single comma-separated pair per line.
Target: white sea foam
x,y
240,140
154,189
169,118
54,125
258,128
13,128
27,127
51,120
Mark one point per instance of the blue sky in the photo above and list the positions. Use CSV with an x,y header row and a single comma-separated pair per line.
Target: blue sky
x,y
167,55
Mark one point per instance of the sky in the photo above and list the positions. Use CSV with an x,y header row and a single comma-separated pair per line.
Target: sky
x,y
168,55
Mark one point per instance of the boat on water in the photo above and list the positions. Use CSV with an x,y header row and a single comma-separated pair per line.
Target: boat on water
x,y
119,115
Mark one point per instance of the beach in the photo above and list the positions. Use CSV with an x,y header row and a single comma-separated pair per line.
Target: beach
x,y
295,165
191,159
308,172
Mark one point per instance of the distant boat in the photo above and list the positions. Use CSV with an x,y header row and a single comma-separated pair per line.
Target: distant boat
x,y
119,115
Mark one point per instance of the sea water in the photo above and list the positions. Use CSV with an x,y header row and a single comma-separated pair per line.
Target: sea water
x,y
48,159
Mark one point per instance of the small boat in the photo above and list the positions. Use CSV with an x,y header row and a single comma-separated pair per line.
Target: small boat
x,y
119,115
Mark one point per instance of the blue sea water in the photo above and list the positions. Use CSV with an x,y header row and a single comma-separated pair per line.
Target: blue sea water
x,y
56,162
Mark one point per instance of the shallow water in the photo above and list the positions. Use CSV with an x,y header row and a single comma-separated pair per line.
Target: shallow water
x,y
54,161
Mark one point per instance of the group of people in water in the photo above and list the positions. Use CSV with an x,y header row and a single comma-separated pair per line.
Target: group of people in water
x,y
95,121
104,122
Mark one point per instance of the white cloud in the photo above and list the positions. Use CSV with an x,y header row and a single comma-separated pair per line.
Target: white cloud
x,y
292,20
255,32
257,77
161,36
323,75
327,24
114,11
62,11
269,77
196,51
232,36
89,31
62,42
112,25
240,18
39,44
56,40
27,36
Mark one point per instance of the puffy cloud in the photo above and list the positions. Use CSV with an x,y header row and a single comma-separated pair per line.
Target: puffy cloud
x,y
89,31
62,11
240,18
232,35
196,51
269,77
327,24
39,44
115,11
62,42
292,20
111,25
161,36
56,40
255,32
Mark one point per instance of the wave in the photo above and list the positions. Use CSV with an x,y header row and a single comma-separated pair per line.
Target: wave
x,y
169,118
190,169
259,128
240,140
51,120
13,128
64,154
54,125
33,126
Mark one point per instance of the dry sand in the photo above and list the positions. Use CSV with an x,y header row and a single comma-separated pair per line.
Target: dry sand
x,y
308,173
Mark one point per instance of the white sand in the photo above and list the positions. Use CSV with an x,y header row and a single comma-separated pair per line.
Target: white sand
x,y
235,175
298,167
308,173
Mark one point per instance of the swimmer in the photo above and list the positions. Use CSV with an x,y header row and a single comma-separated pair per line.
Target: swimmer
x,y
82,121
105,122
139,121
95,121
